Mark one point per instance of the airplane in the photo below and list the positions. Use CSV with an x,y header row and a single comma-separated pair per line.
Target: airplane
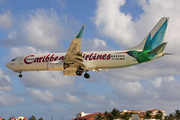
x,y
75,62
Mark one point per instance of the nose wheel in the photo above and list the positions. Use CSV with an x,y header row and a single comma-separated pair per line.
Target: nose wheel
x,y
20,75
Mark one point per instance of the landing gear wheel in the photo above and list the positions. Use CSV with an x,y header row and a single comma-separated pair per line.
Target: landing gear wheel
x,y
86,75
20,75
78,72
79,68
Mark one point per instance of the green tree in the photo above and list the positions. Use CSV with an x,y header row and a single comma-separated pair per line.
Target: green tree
x,y
32,118
10,118
166,117
106,115
148,115
171,117
177,114
159,115
99,116
115,114
126,116
40,119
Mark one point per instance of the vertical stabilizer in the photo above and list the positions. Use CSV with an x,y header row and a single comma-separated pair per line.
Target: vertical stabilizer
x,y
155,37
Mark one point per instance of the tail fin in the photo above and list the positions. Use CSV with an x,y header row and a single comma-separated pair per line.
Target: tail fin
x,y
155,37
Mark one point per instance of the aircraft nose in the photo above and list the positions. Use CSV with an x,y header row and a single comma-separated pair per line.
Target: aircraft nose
x,y
8,65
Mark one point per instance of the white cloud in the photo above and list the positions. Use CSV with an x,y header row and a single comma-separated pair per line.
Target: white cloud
x,y
66,98
42,28
61,3
157,82
24,50
136,95
57,109
157,88
5,20
94,44
41,97
99,42
5,82
46,79
96,98
12,35
10,100
71,99
48,96
112,23
128,92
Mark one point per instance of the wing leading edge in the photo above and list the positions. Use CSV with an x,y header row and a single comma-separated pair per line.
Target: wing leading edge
x,y
73,55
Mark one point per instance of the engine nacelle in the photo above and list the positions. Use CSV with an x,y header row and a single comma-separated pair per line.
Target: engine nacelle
x,y
55,65
70,72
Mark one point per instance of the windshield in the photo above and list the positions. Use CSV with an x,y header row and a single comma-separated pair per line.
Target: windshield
x,y
13,60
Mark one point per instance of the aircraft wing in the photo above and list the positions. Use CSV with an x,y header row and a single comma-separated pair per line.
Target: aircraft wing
x,y
73,54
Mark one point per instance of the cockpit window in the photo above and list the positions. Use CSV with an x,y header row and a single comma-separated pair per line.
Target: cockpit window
x,y
13,60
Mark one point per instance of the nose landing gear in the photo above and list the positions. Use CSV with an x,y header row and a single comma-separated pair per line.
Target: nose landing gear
x,y
20,75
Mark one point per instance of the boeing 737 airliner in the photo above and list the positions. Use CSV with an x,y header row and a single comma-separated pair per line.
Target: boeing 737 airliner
x,y
76,62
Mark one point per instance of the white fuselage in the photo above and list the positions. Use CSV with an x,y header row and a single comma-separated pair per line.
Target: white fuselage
x,y
98,60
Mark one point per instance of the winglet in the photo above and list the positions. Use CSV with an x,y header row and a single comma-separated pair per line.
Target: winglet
x,y
79,35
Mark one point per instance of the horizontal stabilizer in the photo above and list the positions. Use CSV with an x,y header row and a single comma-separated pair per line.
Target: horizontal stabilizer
x,y
158,49
168,54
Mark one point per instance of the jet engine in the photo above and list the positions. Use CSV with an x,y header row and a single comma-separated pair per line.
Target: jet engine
x,y
55,65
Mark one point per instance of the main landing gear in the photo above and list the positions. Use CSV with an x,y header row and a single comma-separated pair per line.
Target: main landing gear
x,y
20,75
86,75
80,71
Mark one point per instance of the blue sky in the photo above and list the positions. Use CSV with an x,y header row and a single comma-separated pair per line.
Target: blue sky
x,y
43,26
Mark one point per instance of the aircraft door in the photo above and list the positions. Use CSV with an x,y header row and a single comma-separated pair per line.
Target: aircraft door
x,y
21,60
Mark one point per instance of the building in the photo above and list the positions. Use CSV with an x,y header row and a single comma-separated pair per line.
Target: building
x,y
142,113
81,114
129,111
155,112
13,118
85,116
